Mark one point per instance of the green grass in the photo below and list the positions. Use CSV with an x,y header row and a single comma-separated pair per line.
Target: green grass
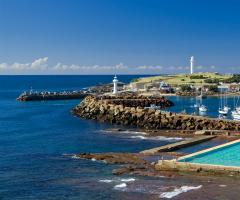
x,y
177,78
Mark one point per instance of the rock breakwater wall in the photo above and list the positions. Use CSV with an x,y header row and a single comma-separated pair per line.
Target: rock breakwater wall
x,y
113,111
189,93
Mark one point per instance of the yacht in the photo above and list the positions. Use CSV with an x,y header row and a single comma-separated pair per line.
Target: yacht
x,y
237,116
196,105
226,108
202,108
222,111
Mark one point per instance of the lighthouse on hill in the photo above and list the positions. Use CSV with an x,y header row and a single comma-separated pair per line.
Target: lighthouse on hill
x,y
192,65
115,87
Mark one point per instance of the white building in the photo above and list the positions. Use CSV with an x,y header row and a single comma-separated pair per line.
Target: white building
x,y
192,65
223,89
115,87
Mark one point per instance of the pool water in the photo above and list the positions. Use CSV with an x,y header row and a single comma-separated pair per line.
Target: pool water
x,y
227,155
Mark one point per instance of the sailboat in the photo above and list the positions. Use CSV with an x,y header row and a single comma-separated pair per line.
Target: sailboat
x,y
196,105
226,107
237,109
202,107
221,110
202,96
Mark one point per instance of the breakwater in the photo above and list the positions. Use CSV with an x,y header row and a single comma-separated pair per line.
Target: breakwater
x,y
178,145
126,110
52,96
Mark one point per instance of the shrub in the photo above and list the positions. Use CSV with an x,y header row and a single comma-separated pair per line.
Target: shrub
x,y
135,80
213,88
185,87
194,114
183,112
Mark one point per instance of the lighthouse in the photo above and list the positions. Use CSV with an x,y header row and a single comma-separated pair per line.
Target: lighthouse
x,y
115,88
192,65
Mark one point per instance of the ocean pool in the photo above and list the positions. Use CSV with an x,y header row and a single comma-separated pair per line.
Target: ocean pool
x,y
227,155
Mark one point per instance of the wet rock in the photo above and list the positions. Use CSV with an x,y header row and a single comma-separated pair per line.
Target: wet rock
x,y
121,171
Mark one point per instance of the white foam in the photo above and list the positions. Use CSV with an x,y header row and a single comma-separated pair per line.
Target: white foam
x,y
178,191
158,138
74,156
122,185
128,180
117,180
93,159
133,132
106,181
222,185
141,137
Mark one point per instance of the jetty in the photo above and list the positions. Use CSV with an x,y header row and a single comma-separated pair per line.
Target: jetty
x,y
52,95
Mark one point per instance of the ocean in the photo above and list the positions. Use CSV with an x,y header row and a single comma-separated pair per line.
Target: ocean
x,y
39,141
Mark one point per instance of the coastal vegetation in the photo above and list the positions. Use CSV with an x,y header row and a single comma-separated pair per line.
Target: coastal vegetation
x,y
208,78
233,79
135,80
185,87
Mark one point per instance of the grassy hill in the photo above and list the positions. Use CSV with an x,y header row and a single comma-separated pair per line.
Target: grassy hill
x,y
182,78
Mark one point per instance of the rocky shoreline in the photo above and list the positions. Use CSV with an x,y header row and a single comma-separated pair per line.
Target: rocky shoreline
x,y
128,110
131,164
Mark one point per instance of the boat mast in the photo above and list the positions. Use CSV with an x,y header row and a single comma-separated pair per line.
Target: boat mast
x,y
201,93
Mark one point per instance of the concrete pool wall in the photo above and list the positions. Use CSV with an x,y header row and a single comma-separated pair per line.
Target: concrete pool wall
x,y
180,164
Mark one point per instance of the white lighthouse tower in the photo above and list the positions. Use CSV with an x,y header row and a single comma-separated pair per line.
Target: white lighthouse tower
x,y
192,64
115,88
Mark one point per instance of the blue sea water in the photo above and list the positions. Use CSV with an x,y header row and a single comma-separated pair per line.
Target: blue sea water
x,y
38,141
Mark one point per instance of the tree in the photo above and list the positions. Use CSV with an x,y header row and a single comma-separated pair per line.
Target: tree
x,y
213,88
185,87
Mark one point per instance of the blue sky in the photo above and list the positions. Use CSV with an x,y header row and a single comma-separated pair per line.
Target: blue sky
x,y
118,36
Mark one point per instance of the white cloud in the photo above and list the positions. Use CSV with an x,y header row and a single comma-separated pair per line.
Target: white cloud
x,y
171,68
3,66
142,67
37,64
199,67
213,67
58,66
186,67
40,63
159,67
151,67
95,67
74,67
179,68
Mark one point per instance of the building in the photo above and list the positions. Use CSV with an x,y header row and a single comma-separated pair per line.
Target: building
x,y
192,65
223,89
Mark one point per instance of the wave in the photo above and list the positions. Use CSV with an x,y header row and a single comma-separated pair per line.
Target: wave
x,y
106,181
122,185
117,180
133,132
127,180
178,191
159,138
